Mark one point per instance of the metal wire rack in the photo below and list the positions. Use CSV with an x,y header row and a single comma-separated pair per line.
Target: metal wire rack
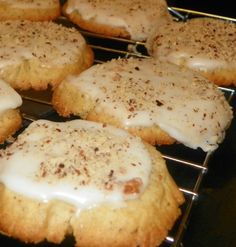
x,y
187,166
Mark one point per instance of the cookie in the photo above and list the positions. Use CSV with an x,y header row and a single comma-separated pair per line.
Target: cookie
x,y
205,45
128,19
38,54
158,101
93,181
33,10
10,119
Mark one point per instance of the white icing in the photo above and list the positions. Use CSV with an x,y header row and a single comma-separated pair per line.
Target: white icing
x,y
29,4
145,92
137,17
48,43
9,98
80,162
198,62
207,48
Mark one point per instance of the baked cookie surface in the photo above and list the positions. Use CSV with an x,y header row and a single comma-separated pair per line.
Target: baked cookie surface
x,y
34,10
128,19
155,100
95,182
38,54
205,45
10,119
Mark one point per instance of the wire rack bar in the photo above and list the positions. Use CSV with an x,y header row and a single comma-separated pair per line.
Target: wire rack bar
x,y
180,11
131,48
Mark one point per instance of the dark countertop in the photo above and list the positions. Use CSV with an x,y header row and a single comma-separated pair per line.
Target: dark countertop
x,y
213,218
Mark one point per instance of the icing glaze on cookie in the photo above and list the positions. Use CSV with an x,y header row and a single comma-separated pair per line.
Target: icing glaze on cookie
x,y
201,44
80,162
137,17
48,43
9,98
145,92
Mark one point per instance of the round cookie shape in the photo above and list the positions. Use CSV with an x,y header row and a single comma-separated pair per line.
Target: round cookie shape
x,y
155,100
38,54
86,179
128,19
97,163
205,45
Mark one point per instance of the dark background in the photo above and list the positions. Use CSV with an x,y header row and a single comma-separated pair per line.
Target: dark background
x,y
213,218
222,7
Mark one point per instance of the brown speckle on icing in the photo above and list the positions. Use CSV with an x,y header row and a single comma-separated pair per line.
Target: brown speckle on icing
x,y
85,155
158,93
213,43
132,186
49,42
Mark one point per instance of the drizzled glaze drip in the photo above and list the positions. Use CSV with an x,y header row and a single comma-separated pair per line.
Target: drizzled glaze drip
x,y
145,92
9,98
80,162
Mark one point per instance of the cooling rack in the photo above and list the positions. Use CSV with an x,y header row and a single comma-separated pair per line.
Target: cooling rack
x,y
187,166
